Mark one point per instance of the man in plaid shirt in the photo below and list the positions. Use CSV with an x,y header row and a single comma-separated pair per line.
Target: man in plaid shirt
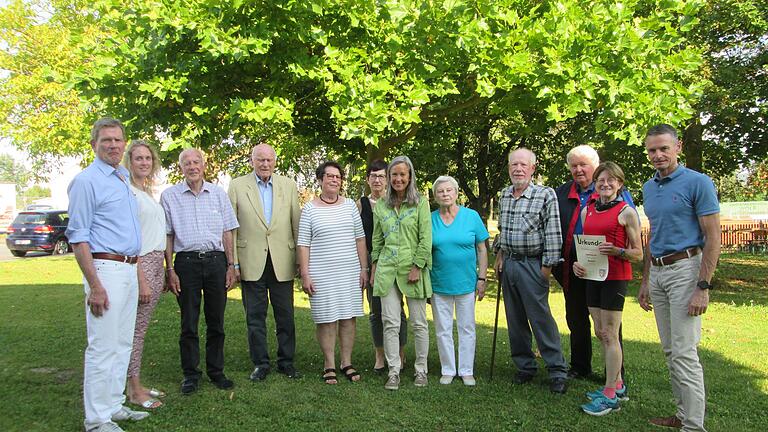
x,y
527,248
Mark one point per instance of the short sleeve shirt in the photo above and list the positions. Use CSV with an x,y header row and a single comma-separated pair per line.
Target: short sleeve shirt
x,y
673,205
454,257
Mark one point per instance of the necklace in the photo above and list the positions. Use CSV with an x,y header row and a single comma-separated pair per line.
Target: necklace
x,y
329,202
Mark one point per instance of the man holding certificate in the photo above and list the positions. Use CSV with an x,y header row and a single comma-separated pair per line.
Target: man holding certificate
x,y
611,240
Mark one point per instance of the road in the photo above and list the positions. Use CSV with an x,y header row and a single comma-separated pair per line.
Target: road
x,y
5,254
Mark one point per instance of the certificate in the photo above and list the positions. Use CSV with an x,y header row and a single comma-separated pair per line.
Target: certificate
x,y
590,258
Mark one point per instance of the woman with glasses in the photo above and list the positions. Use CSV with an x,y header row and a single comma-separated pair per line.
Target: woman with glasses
x,y
334,268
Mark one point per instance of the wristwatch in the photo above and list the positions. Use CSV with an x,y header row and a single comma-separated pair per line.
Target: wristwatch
x,y
704,285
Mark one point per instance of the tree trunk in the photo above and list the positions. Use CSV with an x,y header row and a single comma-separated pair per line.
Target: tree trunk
x,y
693,144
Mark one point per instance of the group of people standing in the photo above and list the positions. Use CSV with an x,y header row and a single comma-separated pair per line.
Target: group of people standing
x,y
391,246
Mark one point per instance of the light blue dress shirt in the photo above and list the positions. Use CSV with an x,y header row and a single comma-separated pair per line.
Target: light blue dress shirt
x,y
265,190
103,211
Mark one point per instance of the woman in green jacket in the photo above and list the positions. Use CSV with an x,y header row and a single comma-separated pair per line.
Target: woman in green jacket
x,y
402,258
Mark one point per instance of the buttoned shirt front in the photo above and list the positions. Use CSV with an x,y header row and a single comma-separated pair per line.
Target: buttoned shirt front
x,y
197,222
530,224
103,211
265,190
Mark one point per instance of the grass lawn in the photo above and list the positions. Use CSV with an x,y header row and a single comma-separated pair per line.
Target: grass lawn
x,y
42,338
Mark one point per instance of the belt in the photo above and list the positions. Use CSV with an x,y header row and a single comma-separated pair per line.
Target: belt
x,y
521,257
199,254
674,257
115,257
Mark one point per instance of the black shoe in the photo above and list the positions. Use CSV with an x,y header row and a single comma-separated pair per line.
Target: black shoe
x,y
222,382
259,373
575,374
558,385
522,378
289,371
189,386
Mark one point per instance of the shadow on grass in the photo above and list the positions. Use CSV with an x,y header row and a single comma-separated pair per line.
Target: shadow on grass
x,y
43,337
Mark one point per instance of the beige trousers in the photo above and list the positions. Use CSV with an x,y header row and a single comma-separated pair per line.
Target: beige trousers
x,y
417,316
671,288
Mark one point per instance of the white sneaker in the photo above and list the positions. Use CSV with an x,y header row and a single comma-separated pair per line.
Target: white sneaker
x,y
469,380
446,379
106,427
126,413
393,382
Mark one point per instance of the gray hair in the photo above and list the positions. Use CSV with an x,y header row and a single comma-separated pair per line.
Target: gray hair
x,y
662,129
445,179
105,122
412,195
190,150
583,151
530,152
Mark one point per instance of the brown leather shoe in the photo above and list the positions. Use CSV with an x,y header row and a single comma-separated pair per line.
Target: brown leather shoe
x,y
670,422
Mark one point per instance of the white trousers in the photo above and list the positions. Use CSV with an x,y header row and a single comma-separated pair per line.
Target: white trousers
x,y
442,314
390,318
110,339
671,288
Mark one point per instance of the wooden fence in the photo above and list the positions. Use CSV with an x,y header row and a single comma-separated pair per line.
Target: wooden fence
x,y
744,237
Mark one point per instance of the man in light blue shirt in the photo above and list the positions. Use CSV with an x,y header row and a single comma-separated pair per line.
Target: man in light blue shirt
x,y
106,238
684,214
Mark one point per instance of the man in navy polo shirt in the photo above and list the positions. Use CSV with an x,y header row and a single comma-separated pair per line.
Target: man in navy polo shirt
x,y
682,207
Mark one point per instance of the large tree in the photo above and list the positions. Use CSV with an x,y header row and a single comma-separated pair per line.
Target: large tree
x,y
348,74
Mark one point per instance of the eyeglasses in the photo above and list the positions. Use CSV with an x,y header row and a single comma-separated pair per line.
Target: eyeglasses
x,y
378,176
332,176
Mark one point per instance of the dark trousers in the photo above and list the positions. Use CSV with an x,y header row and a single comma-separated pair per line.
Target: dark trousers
x,y
256,298
579,324
526,302
202,279
377,327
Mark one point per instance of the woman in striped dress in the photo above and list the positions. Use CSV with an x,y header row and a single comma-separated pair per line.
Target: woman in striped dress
x,y
333,264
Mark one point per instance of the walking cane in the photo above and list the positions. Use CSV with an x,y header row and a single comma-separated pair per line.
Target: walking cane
x,y
495,326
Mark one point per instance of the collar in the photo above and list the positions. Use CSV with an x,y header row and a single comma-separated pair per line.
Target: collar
x,y
676,173
108,170
185,187
527,192
590,189
259,181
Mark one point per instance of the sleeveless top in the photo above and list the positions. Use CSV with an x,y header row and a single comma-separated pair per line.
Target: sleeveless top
x,y
366,214
607,223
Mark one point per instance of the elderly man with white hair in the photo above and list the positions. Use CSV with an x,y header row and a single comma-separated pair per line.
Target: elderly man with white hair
x,y
572,196
199,223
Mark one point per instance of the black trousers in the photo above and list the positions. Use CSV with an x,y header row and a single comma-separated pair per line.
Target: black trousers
x,y
202,278
580,326
256,298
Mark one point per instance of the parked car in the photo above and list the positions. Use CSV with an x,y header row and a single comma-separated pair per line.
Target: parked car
x,y
40,230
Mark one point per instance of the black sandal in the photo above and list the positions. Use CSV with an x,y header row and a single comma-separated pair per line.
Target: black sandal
x,y
350,375
328,378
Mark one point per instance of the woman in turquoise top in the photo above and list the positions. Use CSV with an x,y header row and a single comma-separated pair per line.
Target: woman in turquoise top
x,y
401,260
460,264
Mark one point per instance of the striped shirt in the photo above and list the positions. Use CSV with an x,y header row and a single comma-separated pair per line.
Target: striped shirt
x,y
197,221
331,235
530,224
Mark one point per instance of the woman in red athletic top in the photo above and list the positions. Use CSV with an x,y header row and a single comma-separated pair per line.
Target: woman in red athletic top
x,y
608,215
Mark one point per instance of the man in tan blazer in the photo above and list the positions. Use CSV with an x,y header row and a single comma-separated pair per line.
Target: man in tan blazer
x,y
267,208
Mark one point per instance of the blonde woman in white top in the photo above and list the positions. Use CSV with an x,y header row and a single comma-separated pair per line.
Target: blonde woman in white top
x,y
143,163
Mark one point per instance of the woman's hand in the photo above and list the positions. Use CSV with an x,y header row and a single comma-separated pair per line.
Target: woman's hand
x,y
414,274
608,248
373,274
307,285
480,289
578,270
363,278
144,292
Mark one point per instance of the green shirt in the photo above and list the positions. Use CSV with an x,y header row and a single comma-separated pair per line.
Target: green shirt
x,y
402,239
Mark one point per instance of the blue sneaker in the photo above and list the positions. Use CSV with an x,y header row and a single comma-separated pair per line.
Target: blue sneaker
x,y
620,394
601,406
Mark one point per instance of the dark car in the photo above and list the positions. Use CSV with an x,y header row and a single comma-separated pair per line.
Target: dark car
x,y
39,230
